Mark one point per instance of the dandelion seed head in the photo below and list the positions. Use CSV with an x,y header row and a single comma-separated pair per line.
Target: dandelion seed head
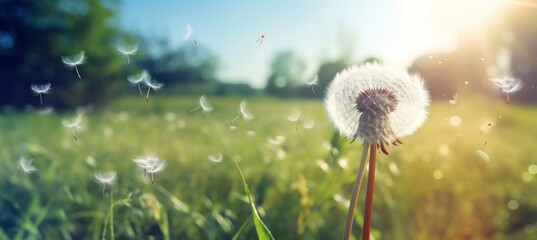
x,y
106,177
308,124
188,32
74,60
216,158
483,155
376,103
294,117
244,111
313,81
26,165
152,83
41,88
276,140
250,133
75,123
507,84
204,104
138,78
128,49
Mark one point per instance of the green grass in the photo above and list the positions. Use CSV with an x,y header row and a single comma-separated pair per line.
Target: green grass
x,y
432,187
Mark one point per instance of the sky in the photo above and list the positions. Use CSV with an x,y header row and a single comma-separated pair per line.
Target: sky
x,y
397,31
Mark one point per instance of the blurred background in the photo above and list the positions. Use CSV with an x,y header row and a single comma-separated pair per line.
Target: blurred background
x,y
433,187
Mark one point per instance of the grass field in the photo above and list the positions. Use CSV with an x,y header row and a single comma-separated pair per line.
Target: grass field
x,y
434,186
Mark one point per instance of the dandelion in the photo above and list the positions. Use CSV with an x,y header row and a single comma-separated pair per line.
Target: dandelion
x,y
26,165
313,82
216,158
308,124
74,124
74,61
105,178
137,79
243,112
188,32
40,90
260,39
483,155
453,100
293,118
128,50
151,84
379,105
275,141
152,165
507,84
203,104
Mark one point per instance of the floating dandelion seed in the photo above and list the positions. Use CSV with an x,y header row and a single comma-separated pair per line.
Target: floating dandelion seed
x,y
243,112
260,39
250,133
151,84
137,79
150,164
128,50
308,124
483,155
40,90
275,141
26,165
453,100
313,82
74,124
203,104
487,127
188,33
293,118
74,61
508,85
216,158
106,178
379,105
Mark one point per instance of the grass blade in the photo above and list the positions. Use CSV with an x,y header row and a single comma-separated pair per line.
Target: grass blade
x,y
244,225
262,231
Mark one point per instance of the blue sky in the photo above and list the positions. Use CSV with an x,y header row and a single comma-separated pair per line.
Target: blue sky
x,y
395,31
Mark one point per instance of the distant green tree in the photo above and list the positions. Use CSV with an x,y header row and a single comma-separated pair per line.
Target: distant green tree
x,y
191,64
327,71
287,70
34,35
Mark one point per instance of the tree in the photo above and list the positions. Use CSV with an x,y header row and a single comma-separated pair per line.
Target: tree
x,y
34,35
287,70
184,65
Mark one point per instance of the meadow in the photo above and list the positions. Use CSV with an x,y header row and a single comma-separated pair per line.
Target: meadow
x,y
434,186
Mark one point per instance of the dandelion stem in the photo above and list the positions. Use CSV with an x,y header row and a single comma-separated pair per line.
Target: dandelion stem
x,y
103,188
355,191
41,99
313,90
128,59
112,235
369,193
139,88
147,96
74,134
195,109
77,73
232,121
507,98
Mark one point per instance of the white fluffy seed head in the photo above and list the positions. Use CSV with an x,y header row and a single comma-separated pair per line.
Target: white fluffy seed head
x,y
106,177
74,60
138,78
204,104
41,88
244,111
376,103
74,123
26,165
128,49
507,84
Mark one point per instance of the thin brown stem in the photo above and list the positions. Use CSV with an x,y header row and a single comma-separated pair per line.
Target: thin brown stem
x,y
147,96
369,192
41,98
355,191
